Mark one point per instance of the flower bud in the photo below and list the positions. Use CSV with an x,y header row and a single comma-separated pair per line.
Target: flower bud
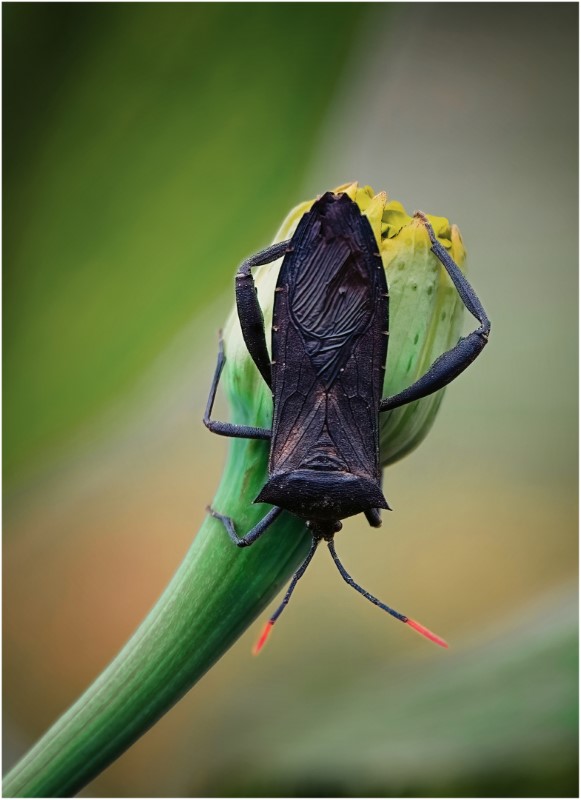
x,y
425,318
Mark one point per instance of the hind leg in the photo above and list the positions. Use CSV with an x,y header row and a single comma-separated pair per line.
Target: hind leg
x,y
252,535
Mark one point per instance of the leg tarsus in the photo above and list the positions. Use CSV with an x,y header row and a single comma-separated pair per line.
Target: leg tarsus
x,y
466,292
253,534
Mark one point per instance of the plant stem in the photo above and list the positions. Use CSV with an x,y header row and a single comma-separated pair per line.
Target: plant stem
x,y
216,593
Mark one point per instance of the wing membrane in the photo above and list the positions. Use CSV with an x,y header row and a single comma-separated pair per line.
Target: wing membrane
x,y
330,300
328,346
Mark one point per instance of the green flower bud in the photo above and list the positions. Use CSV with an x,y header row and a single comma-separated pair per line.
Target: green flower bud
x,y
425,318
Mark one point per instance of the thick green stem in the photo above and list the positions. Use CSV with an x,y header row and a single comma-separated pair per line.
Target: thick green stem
x,y
216,593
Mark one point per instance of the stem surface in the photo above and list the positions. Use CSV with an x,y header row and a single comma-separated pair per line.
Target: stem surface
x,y
215,595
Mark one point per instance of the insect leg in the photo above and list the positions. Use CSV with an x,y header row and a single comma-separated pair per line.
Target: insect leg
x,y
453,362
249,311
252,535
373,517
227,428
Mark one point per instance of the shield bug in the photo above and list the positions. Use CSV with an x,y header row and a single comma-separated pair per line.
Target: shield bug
x,y
329,349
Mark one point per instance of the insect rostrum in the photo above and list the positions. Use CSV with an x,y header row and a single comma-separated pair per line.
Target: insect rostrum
x,y
330,337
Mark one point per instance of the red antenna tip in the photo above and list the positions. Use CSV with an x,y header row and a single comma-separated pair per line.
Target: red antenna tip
x,y
425,632
263,637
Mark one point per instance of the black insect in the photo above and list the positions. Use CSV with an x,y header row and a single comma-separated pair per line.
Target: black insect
x,y
329,350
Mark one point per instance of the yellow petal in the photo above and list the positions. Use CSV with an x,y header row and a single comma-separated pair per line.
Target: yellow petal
x,y
374,213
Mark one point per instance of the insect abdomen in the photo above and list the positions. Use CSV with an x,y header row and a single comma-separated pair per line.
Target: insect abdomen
x,y
317,494
329,351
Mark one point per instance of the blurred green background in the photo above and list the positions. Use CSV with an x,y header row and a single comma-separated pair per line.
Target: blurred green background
x,y
147,150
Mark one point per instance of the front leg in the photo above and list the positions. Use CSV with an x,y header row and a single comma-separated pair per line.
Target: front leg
x,y
453,362
249,311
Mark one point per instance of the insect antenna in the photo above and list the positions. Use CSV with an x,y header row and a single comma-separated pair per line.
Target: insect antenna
x,y
402,618
296,577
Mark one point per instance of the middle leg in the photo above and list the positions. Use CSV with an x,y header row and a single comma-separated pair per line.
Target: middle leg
x,y
228,428
453,362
